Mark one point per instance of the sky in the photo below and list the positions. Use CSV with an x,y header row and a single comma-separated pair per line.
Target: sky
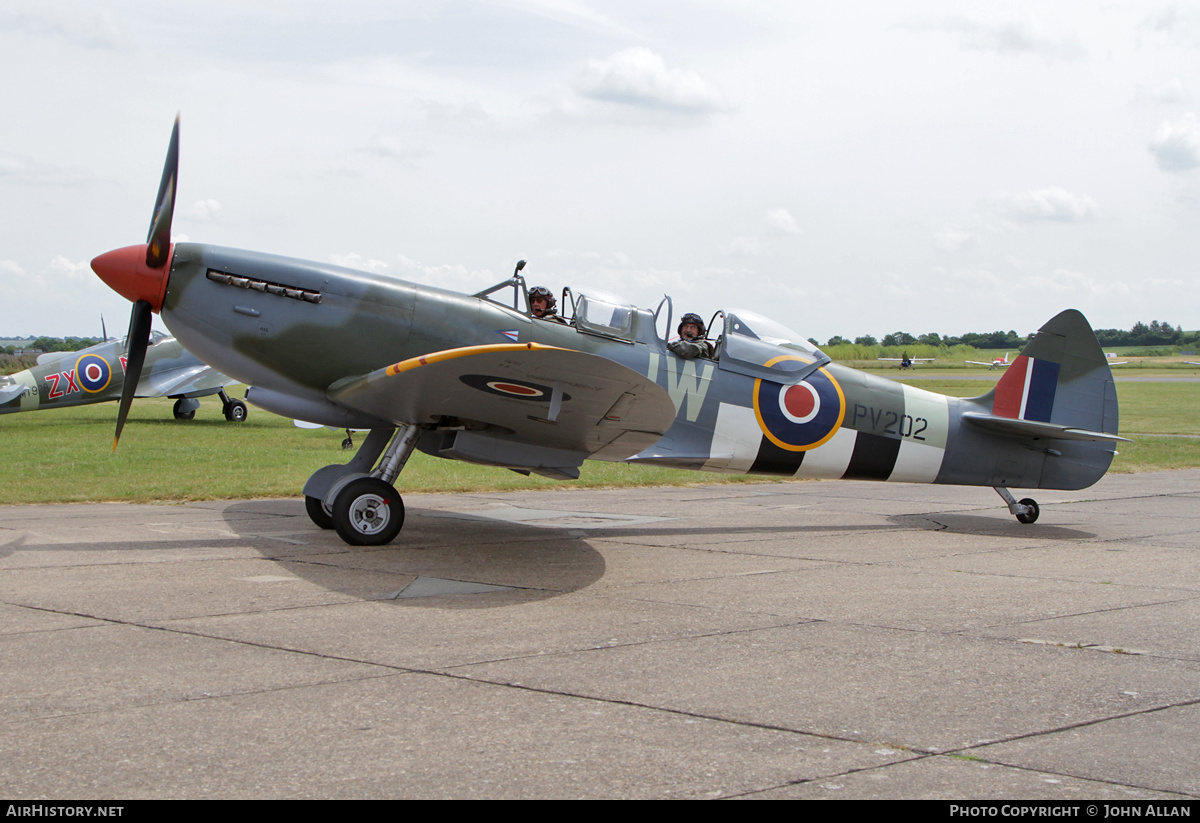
x,y
847,169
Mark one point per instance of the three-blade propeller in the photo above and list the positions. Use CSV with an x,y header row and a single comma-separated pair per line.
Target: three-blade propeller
x,y
158,254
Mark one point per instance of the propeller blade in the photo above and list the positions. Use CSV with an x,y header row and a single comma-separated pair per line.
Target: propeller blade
x,y
158,241
135,347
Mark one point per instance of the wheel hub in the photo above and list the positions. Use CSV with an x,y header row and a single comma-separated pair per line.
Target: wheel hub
x,y
370,513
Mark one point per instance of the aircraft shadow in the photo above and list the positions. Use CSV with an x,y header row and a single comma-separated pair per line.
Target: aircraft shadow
x,y
958,523
444,561
452,556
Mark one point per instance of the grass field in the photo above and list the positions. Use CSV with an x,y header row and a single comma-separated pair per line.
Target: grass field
x,y
65,455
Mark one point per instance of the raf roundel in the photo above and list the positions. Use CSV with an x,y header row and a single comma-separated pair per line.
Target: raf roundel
x,y
94,373
802,416
516,389
510,388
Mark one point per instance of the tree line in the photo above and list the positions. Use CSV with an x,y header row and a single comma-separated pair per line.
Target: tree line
x,y
1141,334
49,344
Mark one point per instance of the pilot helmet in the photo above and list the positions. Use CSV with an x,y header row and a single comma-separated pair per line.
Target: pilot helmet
x,y
691,317
542,291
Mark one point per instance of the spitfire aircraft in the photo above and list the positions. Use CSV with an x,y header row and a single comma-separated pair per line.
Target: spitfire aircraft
x,y
478,378
97,374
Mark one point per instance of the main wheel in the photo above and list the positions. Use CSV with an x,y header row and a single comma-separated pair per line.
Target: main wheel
x,y
317,512
368,512
1033,512
235,411
178,411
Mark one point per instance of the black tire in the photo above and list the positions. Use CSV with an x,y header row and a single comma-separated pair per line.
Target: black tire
x,y
347,444
236,411
182,415
368,512
317,513
1033,512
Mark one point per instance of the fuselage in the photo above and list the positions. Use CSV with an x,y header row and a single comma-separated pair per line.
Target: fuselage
x,y
293,329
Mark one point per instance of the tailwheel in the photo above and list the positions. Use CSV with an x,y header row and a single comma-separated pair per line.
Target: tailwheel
x,y
367,512
317,512
1026,511
1031,511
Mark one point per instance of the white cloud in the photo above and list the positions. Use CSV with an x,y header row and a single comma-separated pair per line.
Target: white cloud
x,y
1065,283
1176,147
1053,204
1170,91
639,77
10,270
453,276
1016,35
782,220
1162,20
15,168
80,272
744,246
952,239
353,260
92,29
389,148
203,211
18,284
469,112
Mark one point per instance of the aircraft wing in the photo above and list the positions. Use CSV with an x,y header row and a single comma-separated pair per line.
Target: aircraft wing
x,y
520,404
1000,365
186,375
54,356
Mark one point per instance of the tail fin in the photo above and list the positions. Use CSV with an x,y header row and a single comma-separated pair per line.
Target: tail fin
x,y
1058,397
1061,377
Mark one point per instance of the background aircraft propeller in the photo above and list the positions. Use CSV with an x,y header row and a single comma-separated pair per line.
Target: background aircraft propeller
x,y
158,254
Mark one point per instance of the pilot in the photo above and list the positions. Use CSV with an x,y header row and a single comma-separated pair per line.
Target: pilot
x,y
691,343
542,304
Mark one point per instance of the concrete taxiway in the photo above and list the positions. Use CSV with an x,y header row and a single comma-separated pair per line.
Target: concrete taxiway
x,y
778,640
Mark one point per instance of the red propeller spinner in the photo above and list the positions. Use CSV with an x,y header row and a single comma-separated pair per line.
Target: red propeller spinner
x,y
125,271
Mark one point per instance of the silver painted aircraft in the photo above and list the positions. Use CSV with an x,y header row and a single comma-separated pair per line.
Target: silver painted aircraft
x,y
907,362
478,378
998,363
97,374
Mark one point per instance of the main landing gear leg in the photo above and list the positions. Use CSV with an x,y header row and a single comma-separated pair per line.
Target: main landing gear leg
x,y
235,410
1025,510
362,505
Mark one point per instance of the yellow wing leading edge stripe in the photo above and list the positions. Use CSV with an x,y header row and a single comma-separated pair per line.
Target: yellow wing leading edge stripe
x,y
466,351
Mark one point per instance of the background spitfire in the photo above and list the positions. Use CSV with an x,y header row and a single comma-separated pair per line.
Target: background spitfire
x,y
97,375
